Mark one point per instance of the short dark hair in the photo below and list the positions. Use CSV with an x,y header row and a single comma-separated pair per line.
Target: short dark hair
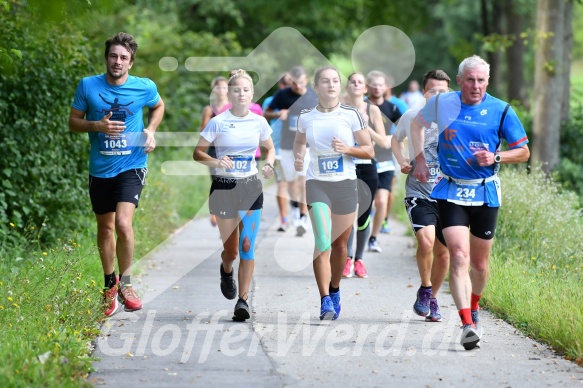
x,y
437,74
296,72
125,40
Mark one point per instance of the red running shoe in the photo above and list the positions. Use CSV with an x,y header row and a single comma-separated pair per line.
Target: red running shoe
x,y
110,303
129,298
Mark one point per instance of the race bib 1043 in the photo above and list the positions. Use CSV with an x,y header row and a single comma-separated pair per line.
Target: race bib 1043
x,y
113,145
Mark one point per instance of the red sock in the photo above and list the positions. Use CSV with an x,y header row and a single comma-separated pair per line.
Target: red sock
x,y
466,316
474,303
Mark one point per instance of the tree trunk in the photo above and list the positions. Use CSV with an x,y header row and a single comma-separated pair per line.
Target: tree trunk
x,y
515,55
493,58
567,47
549,82
496,58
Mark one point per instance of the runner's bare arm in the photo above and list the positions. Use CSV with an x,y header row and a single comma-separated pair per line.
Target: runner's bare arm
x,y
378,133
78,123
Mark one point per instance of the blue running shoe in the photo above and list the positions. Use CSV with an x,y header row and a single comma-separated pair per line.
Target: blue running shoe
x,y
335,296
327,311
434,314
421,306
373,246
385,228
476,321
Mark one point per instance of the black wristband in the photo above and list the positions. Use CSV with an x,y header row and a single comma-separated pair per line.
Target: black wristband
x,y
270,166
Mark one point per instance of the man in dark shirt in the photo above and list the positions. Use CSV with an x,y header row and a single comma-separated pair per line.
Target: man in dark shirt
x,y
286,106
377,86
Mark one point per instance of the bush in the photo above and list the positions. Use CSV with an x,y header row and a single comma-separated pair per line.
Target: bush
x,y
44,167
569,171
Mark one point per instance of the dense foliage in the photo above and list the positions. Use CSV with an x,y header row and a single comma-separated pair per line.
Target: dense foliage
x,y
42,173
569,170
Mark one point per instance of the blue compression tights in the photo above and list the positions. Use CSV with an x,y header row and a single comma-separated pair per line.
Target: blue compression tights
x,y
250,228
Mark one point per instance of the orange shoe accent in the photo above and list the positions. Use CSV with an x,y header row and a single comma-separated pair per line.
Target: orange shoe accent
x,y
110,301
129,298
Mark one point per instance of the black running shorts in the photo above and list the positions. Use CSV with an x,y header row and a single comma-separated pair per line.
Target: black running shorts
x,y
423,212
105,193
480,219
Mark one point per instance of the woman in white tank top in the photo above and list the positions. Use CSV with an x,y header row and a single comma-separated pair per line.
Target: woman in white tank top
x,y
336,134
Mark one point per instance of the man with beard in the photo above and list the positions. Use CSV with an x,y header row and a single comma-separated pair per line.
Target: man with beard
x,y
109,108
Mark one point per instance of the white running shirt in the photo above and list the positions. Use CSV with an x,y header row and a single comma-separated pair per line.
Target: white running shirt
x,y
237,137
320,128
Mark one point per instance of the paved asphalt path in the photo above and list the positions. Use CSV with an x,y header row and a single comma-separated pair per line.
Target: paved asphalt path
x,y
185,336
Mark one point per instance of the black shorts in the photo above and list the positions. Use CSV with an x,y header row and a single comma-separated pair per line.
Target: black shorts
x,y
229,196
386,180
480,219
341,197
105,193
423,212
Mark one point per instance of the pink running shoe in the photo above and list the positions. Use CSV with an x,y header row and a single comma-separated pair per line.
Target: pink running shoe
x,y
348,268
359,269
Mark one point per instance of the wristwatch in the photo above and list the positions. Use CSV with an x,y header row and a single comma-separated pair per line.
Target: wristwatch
x,y
497,158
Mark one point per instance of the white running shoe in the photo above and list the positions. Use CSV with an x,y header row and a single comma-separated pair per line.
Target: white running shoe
x,y
470,337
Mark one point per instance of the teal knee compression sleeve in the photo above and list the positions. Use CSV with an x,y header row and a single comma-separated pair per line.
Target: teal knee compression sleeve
x,y
250,228
322,226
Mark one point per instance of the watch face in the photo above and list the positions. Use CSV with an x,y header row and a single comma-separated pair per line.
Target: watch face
x,y
497,158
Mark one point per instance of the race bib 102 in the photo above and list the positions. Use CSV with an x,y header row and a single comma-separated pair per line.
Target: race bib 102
x,y
242,163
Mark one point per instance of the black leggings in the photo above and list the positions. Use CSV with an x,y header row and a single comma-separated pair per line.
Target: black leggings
x,y
367,183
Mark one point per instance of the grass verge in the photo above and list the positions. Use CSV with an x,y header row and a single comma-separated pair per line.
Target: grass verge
x,y
536,268
50,301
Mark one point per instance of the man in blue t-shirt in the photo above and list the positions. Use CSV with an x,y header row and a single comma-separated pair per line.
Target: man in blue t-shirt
x,y
472,125
109,108
276,125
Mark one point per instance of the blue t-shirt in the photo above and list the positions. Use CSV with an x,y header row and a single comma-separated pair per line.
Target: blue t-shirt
x,y
275,126
109,155
402,105
466,129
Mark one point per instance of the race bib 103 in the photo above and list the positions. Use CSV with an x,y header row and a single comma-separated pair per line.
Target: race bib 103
x,y
330,164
